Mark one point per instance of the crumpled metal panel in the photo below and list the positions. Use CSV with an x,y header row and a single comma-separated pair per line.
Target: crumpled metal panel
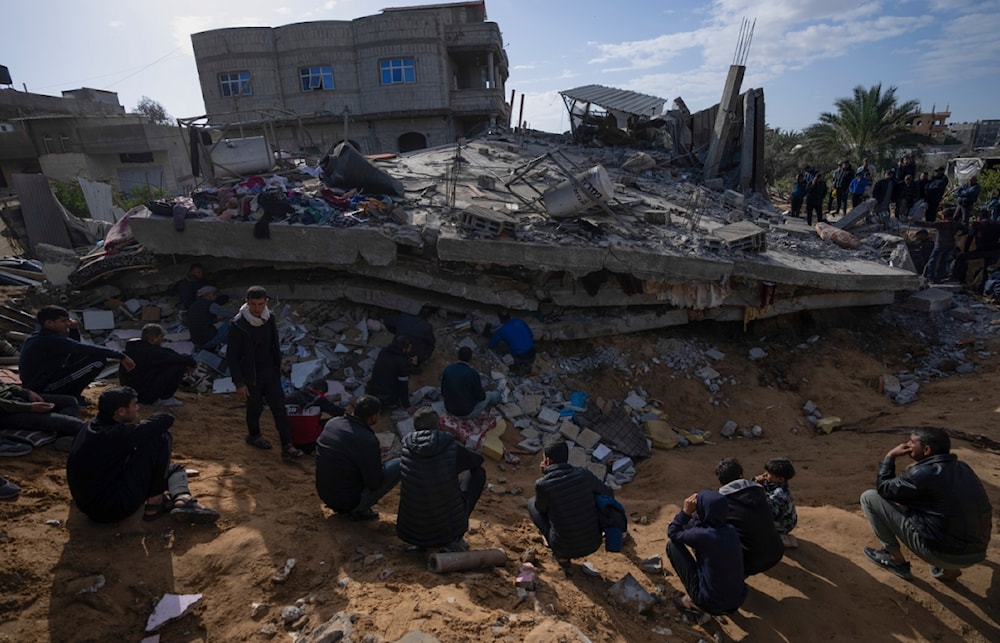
x,y
617,99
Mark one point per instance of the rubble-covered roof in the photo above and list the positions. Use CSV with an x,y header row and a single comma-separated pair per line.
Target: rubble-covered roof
x,y
617,99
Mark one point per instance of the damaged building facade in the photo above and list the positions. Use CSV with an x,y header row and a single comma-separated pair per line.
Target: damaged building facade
x,y
404,79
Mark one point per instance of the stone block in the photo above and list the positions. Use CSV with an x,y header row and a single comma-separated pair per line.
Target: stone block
x,y
809,407
931,300
548,416
569,431
757,353
531,445
890,385
588,439
531,403
578,457
602,453
635,402
729,428
599,470
511,410
714,354
529,432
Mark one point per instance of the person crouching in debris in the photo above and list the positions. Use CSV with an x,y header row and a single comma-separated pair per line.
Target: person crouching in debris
x,y
350,475
54,361
713,575
390,379
418,329
564,507
203,317
462,388
117,462
520,341
255,365
314,393
158,370
750,514
439,486
777,473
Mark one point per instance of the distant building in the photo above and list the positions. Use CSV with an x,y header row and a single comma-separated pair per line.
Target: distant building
x,y
405,79
985,134
933,124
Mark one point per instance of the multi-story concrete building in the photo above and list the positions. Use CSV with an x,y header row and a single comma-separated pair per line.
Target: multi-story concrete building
x,y
405,79
933,124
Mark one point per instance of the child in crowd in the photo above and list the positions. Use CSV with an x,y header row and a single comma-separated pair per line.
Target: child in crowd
x,y
777,473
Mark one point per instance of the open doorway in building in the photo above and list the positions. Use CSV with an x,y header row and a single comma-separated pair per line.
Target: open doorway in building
x,y
411,141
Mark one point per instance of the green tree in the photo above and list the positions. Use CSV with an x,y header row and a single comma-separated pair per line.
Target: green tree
x,y
153,111
870,124
781,158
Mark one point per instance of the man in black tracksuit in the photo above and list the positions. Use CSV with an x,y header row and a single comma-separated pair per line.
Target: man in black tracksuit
x,y
750,514
390,379
564,507
440,483
158,370
255,365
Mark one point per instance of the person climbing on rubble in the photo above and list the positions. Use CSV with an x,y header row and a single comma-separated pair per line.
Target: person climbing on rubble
x,y
390,379
118,461
158,370
520,342
54,360
255,365
750,514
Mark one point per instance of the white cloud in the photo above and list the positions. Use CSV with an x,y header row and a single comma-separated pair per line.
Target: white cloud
x,y
116,24
330,4
284,11
521,67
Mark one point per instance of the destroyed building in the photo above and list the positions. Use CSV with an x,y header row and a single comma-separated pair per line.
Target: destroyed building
x,y
405,79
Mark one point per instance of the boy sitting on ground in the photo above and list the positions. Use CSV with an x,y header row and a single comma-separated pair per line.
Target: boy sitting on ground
x,y
777,473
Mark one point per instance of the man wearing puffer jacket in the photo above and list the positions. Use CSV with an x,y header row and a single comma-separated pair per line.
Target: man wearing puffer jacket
x,y
565,508
440,484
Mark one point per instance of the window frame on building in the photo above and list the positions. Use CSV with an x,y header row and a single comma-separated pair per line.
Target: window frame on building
x,y
233,84
313,74
390,68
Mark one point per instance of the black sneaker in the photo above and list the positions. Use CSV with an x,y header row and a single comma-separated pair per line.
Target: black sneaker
x,y
883,559
361,515
11,449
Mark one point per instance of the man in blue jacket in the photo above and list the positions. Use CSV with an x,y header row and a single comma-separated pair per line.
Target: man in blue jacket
x,y
520,341
54,361
938,507
713,575
350,476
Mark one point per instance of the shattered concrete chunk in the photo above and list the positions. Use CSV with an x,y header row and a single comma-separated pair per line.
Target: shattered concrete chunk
x,y
588,439
729,428
757,354
169,608
548,416
630,595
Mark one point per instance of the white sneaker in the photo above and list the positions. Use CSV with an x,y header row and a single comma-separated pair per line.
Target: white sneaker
x,y
170,401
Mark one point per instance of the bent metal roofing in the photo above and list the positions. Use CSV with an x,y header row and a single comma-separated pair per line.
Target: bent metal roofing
x,y
617,99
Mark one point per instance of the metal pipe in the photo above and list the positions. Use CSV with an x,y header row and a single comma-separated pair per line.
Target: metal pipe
x,y
442,562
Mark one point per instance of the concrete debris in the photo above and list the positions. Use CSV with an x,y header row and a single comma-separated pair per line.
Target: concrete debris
x,y
629,595
282,575
757,354
171,607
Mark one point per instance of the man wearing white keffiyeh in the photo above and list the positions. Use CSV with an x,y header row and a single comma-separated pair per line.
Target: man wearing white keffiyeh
x,y
255,364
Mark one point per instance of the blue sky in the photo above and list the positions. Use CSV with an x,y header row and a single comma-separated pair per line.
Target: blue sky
x,y
805,53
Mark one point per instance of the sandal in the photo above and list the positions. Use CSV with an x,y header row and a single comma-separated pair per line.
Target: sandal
x,y
291,452
190,510
155,511
258,441
687,608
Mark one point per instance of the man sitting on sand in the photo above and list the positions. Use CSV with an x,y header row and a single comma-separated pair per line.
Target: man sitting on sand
x,y
53,360
22,409
462,388
938,507
117,461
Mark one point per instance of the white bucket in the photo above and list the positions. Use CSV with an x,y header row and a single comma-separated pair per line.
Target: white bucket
x,y
566,198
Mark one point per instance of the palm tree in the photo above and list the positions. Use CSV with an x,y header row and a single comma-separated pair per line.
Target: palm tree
x,y
871,124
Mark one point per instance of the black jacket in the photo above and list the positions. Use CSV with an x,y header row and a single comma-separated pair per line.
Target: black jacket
x,y
461,388
566,494
390,380
45,352
750,514
149,360
241,352
348,461
432,511
944,499
98,464
200,320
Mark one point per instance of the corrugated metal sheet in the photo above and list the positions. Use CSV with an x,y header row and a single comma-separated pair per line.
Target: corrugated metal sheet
x,y
617,99
43,216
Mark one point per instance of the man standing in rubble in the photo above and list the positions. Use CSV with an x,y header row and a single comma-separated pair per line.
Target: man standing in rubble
x,y
255,364
841,185
520,341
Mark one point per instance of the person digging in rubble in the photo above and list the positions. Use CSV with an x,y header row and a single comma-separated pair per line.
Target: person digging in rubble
x,y
255,365
418,329
520,341
440,483
938,508
55,362
158,370
390,379
462,388
118,461
188,287
203,317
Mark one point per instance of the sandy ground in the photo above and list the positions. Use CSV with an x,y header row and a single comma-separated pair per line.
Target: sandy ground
x,y
824,590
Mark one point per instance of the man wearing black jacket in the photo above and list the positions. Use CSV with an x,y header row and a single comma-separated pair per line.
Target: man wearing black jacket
x,y
390,378
841,184
934,193
158,370
750,514
117,461
462,388
439,486
255,365
350,475
938,507
564,507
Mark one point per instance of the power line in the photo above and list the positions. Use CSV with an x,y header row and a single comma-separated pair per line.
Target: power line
x,y
137,70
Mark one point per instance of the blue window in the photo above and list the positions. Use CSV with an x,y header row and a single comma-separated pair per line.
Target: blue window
x,y
398,70
235,83
315,78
